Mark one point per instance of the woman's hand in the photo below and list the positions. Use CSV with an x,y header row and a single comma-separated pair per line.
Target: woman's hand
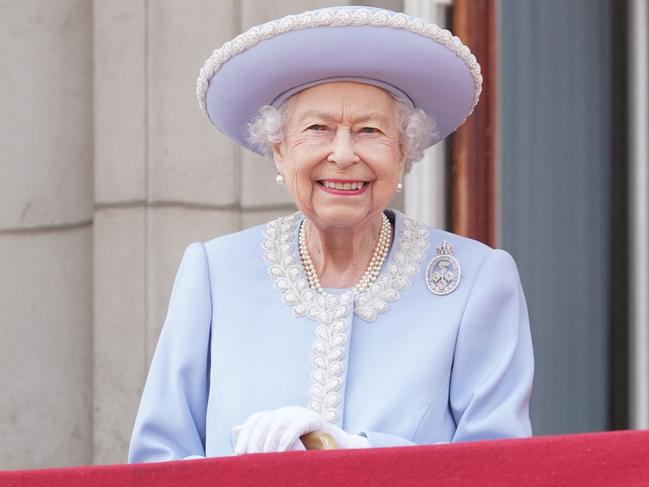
x,y
280,430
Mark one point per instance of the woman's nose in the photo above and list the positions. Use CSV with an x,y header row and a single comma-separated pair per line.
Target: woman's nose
x,y
342,151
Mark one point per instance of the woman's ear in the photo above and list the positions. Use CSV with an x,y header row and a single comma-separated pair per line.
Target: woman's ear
x,y
278,158
402,159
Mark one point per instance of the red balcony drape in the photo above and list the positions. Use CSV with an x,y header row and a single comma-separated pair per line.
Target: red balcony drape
x,y
596,459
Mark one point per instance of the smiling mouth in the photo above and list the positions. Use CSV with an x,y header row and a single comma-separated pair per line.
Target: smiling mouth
x,y
338,186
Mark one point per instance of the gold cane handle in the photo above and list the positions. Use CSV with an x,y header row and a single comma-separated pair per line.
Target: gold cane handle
x,y
317,440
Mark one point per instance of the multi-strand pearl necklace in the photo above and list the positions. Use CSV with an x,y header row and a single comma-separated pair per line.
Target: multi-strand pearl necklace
x,y
373,269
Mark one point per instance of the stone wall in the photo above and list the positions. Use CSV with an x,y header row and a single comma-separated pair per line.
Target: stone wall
x,y
46,213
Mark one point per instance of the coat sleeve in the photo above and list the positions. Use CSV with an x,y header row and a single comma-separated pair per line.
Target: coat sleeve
x,y
493,364
170,422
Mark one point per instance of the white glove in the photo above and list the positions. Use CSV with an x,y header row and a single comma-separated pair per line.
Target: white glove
x,y
279,430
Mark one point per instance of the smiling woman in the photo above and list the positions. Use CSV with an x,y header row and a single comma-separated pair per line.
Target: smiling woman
x,y
346,317
342,160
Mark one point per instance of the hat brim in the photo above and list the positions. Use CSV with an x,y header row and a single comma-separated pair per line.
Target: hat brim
x,y
433,76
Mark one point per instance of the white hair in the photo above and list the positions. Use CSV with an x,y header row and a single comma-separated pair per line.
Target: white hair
x,y
417,130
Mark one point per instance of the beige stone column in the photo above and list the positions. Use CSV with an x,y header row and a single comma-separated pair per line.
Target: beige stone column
x,y
45,233
163,179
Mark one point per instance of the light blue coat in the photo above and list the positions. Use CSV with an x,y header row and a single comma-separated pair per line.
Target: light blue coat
x,y
398,364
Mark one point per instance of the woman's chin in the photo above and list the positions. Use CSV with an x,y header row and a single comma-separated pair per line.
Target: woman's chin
x,y
341,215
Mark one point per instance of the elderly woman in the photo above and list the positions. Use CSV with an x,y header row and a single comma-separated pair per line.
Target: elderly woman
x,y
346,317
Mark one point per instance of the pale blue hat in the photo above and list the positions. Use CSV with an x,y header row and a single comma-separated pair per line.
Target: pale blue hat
x,y
414,60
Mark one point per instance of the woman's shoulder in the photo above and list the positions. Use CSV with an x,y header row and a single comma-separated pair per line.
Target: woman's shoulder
x,y
247,242
436,237
239,241
470,253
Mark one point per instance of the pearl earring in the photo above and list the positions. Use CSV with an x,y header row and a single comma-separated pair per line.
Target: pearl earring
x,y
279,179
399,187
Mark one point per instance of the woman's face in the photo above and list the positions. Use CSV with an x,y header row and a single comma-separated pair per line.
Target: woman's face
x,y
341,156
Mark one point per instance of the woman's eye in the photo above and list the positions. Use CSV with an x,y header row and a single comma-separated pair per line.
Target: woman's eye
x,y
370,130
316,127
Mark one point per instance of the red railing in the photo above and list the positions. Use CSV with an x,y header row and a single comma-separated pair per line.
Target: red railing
x,y
597,459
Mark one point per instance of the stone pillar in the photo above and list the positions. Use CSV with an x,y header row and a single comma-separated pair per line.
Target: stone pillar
x,y
164,177
45,233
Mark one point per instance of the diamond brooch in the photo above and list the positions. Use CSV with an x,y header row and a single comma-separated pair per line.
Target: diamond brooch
x,y
443,273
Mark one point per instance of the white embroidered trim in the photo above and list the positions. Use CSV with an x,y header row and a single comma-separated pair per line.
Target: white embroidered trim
x,y
412,244
330,311
341,18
